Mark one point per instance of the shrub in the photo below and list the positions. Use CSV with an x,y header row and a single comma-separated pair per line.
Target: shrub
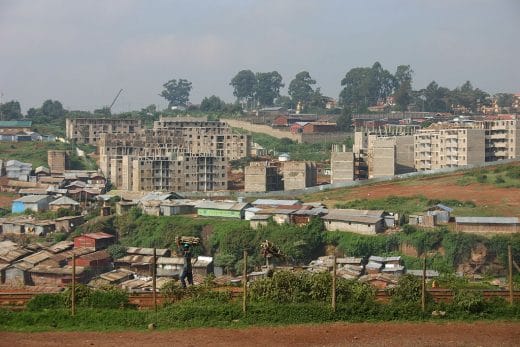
x,y
46,301
469,301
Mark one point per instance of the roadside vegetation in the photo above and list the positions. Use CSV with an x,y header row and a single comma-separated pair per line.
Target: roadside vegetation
x,y
284,298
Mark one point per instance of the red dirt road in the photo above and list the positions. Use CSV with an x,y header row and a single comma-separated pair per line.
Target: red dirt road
x,y
359,334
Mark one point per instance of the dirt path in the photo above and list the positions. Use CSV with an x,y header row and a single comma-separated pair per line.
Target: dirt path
x,y
362,334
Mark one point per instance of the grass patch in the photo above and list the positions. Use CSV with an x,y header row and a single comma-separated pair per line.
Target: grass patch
x,y
502,176
36,154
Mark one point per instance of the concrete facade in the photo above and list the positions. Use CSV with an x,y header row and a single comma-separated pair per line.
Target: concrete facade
x,y
342,166
448,147
89,130
298,174
58,161
181,153
262,177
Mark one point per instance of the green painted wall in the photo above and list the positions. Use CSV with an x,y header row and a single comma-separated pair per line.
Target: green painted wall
x,y
208,212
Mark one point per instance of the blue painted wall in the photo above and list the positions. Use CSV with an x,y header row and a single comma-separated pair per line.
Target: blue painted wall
x,y
18,207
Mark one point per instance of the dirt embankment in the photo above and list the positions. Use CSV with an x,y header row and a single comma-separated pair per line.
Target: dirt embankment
x,y
362,334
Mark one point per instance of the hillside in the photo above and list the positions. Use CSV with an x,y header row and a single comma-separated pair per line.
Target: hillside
x,y
495,191
36,153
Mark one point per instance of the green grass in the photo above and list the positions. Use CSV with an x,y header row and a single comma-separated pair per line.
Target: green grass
x,y
36,154
299,151
502,176
229,315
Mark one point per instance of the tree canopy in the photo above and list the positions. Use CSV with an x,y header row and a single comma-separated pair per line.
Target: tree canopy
x,y
244,85
268,87
10,110
300,88
177,92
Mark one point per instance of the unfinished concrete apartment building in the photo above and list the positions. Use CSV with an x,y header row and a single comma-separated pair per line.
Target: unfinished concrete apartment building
x,y
89,130
375,153
437,148
177,154
262,176
451,145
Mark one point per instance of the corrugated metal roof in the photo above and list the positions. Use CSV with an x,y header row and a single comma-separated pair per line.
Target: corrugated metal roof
x,y
275,202
135,259
116,275
147,251
99,255
15,124
487,220
32,198
67,270
444,207
61,246
350,215
37,258
98,236
214,205
64,200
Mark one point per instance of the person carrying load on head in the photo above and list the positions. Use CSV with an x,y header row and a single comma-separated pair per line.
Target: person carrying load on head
x,y
187,271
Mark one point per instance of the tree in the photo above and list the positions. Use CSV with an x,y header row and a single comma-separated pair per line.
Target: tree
x,y
177,92
244,84
366,86
435,98
10,110
300,88
52,109
212,104
504,99
403,85
268,87
284,101
344,121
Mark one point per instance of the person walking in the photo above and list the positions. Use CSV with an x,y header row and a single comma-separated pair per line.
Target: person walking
x,y
187,271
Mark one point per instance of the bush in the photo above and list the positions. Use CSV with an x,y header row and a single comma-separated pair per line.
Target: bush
x,y
46,301
469,301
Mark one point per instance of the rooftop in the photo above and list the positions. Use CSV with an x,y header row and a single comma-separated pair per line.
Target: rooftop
x,y
487,220
31,198
64,201
15,124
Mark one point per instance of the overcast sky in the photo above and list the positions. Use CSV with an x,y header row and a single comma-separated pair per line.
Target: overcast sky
x,y
83,52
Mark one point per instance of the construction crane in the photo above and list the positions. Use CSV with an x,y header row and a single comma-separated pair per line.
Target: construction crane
x,y
115,99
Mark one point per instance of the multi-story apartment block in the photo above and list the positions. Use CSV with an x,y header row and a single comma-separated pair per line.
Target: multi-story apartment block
x,y
502,136
185,172
437,148
89,130
169,150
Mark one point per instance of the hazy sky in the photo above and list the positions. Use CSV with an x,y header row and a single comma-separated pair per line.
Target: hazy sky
x,y
83,52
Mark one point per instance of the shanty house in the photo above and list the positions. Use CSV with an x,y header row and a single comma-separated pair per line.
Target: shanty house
x,y
64,202
94,241
498,225
68,223
140,264
17,274
36,203
222,209
43,275
441,213
39,227
260,220
98,262
366,222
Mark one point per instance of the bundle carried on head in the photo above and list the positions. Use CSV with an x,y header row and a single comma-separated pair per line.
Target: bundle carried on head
x,y
187,240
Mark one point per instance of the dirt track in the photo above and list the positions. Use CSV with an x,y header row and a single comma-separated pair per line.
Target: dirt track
x,y
363,334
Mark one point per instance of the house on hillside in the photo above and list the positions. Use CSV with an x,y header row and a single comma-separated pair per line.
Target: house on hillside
x,y
483,225
68,223
36,203
94,241
226,209
368,222
64,202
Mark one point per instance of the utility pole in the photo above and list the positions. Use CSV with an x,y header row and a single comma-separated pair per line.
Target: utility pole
x,y
510,265
73,289
154,279
423,286
334,284
244,280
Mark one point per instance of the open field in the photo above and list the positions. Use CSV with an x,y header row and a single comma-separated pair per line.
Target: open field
x,y
340,334
490,199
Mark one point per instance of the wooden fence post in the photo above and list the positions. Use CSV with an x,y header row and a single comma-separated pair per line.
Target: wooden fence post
x,y
334,285
423,285
510,265
244,280
73,288
154,279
